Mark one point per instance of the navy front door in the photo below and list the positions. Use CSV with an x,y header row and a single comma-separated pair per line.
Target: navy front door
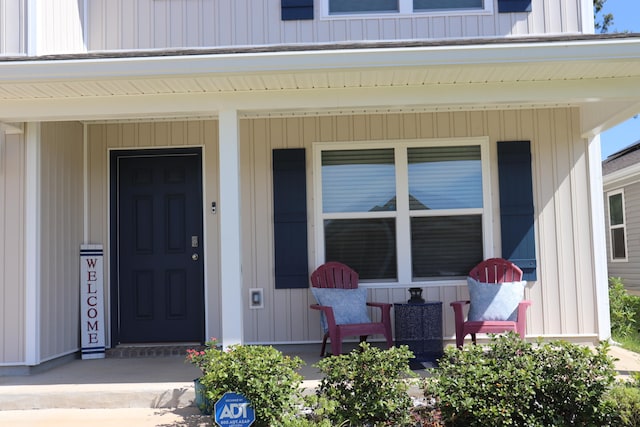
x,y
160,289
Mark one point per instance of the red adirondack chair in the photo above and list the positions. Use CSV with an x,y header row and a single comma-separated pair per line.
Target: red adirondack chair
x,y
494,271
339,276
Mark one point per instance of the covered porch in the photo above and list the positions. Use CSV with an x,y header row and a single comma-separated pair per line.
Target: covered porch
x,y
61,116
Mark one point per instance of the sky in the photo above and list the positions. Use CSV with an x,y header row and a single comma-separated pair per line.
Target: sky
x,y
626,17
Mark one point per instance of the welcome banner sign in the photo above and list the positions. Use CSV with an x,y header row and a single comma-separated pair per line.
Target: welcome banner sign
x,y
92,327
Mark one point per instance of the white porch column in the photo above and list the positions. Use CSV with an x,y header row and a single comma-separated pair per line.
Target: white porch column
x,y
599,239
229,211
32,244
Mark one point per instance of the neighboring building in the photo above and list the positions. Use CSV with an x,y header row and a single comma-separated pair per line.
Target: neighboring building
x,y
222,149
621,178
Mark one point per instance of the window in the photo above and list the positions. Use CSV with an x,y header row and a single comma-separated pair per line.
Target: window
x,y
617,228
404,211
429,5
342,7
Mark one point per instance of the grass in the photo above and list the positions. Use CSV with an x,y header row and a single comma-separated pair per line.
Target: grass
x,y
629,342
625,315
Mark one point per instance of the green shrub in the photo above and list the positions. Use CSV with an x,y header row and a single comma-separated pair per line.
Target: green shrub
x,y
514,383
624,309
367,386
260,373
625,398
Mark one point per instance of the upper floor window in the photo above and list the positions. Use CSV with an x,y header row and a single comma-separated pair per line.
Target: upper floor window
x,y
405,7
404,211
617,227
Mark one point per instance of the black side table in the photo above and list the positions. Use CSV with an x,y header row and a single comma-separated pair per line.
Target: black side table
x,y
419,326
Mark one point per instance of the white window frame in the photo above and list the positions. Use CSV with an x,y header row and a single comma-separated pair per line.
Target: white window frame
x,y
402,212
618,226
405,8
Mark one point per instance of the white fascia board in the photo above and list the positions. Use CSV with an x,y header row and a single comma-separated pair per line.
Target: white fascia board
x,y
631,172
313,60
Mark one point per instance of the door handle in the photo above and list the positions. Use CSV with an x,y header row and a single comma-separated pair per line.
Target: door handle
x,y
194,257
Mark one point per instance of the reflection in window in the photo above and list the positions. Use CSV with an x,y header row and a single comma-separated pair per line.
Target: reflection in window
x,y
358,180
445,177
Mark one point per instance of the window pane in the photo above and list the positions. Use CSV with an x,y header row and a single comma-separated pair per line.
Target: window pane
x,y
358,181
366,245
349,6
447,4
617,243
445,246
616,214
445,177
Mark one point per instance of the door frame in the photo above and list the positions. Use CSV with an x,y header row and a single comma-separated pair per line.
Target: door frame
x,y
113,156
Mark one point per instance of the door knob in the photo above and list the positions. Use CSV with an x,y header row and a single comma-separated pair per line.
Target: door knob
x,y
194,257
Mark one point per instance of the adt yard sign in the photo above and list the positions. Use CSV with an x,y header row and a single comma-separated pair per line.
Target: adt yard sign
x,y
234,409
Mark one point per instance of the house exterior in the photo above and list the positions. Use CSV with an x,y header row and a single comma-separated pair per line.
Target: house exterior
x,y
218,151
621,179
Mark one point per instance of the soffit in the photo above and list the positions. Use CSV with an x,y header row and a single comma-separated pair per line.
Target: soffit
x,y
325,79
529,73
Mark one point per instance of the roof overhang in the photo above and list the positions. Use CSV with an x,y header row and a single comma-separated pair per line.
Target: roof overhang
x,y
600,75
625,176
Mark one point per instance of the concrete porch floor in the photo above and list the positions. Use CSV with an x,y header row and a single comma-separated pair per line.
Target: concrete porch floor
x,y
143,382
149,391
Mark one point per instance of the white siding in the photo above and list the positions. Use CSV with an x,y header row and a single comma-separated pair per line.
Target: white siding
x,y
13,27
59,27
563,296
12,233
61,235
103,137
151,24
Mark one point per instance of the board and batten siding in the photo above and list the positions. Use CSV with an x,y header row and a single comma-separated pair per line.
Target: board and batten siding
x,y
563,297
13,27
61,224
52,27
628,270
60,27
103,137
161,24
12,250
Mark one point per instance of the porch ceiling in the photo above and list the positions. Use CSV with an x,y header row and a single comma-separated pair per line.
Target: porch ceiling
x,y
601,75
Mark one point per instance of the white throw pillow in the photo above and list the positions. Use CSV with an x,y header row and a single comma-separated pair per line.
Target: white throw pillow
x,y
349,305
497,301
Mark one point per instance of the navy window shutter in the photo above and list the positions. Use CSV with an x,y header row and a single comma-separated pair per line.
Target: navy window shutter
x,y
290,218
513,6
516,206
296,9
